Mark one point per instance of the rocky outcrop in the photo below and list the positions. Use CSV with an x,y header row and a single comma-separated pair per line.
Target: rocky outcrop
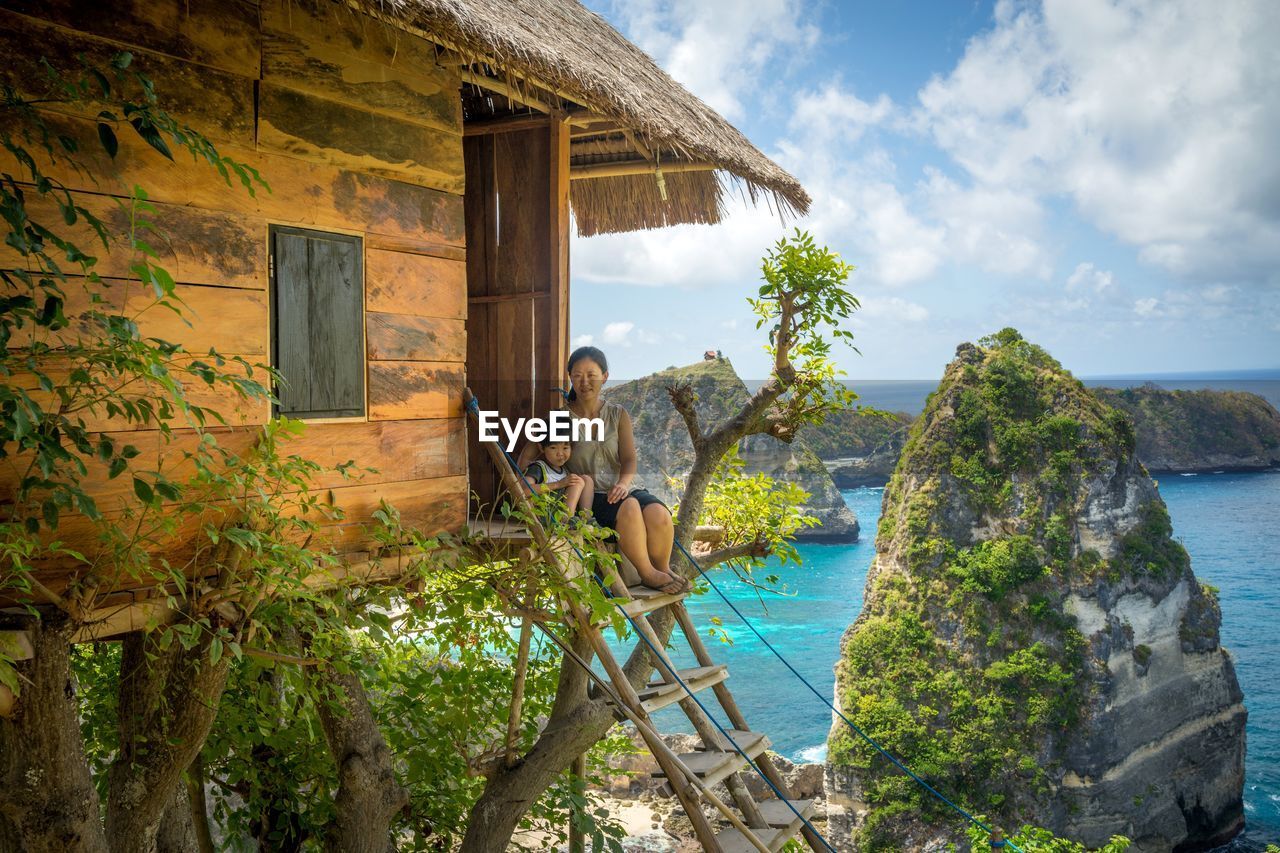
x,y
1177,432
666,454
1200,431
1034,641
859,447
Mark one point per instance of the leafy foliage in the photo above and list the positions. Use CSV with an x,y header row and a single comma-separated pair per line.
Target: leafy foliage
x,y
1032,839
804,303
756,508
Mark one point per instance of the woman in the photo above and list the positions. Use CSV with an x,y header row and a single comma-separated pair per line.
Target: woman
x,y
643,523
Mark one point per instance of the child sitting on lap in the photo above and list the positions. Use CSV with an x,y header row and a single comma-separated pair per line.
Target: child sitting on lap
x,y
547,472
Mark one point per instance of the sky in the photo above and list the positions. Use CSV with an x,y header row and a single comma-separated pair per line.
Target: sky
x,y
1102,176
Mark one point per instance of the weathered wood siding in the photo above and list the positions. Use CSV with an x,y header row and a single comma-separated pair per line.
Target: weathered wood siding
x,y
357,131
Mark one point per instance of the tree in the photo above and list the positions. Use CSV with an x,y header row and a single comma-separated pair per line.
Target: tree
x,y
803,302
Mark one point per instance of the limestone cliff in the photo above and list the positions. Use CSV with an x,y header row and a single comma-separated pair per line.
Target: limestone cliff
x,y
1198,431
1034,640
665,452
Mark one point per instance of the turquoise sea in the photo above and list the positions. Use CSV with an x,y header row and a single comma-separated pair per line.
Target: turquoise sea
x,y
1226,521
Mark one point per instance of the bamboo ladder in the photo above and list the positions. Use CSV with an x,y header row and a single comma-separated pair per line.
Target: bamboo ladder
x,y
765,825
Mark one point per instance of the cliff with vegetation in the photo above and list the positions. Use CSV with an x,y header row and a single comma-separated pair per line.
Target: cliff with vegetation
x,y
666,454
860,447
1200,431
1034,640
1176,431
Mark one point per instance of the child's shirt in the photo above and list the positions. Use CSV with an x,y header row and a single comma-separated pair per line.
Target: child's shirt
x,y
542,472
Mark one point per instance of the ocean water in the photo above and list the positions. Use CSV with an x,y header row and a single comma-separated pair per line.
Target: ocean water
x,y
1228,523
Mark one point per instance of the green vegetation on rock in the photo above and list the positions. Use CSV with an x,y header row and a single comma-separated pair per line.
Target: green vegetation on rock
x,y
1199,430
963,662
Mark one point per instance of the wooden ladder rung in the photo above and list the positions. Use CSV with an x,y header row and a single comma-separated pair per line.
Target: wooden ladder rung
x,y
646,600
732,840
779,815
714,766
783,823
659,694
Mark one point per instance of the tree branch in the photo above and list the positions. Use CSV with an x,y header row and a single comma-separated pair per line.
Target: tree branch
x,y
759,548
683,398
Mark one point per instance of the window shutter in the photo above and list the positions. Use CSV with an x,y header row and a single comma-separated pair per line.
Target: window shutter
x,y
317,310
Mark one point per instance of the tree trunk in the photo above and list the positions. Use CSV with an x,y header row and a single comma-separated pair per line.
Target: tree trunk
x,y
368,795
177,832
46,792
168,702
199,805
511,792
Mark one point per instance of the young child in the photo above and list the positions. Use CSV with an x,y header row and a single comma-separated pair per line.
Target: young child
x,y
547,473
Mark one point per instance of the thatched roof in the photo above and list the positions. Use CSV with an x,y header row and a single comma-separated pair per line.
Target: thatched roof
x,y
565,52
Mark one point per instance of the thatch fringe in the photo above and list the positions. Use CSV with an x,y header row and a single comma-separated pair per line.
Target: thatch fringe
x,y
561,47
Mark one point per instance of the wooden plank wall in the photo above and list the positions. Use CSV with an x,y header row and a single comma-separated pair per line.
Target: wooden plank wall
x,y
517,275
357,130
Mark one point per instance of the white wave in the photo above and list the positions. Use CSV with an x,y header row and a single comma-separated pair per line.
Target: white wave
x,y
813,754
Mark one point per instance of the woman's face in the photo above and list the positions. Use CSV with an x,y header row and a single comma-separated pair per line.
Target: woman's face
x,y
587,377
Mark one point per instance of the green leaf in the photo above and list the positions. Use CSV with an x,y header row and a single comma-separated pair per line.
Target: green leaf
x,y
49,510
107,137
215,650
143,490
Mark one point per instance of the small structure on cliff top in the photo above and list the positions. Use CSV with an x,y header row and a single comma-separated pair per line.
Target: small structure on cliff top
x,y
387,131
1033,636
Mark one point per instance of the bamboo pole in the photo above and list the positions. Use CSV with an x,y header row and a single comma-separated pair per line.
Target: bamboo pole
x,y
636,167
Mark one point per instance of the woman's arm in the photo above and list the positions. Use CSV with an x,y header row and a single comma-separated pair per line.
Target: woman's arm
x,y
626,459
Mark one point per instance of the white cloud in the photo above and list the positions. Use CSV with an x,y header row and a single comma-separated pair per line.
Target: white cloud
x,y
835,113
689,256
618,333
719,49
584,340
1146,307
993,228
1156,119
892,310
1088,277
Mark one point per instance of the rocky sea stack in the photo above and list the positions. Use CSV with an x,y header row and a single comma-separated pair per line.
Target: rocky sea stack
x,y
1033,641
667,453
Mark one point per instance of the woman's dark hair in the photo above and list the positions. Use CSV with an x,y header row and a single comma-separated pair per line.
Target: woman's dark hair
x,y
590,353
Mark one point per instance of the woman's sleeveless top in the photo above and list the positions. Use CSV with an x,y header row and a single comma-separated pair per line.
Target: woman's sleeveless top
x,y
599,459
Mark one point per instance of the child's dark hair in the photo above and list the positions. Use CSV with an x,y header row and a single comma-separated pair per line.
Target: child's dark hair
x,y
590,353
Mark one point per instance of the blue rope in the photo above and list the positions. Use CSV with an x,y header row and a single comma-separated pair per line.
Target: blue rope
x,y
870,740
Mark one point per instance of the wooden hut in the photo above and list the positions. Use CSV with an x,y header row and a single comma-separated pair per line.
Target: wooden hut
x,y
424,157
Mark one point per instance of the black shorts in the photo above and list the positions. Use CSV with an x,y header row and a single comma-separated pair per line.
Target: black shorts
x,y
606,514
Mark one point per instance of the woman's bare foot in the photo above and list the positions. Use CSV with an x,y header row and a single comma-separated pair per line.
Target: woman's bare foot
x,y
669,584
